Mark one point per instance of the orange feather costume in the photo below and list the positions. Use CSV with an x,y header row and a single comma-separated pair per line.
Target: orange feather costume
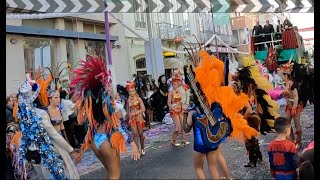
x,y
93,76
210,75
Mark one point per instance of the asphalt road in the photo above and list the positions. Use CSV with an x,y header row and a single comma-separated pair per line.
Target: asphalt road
x,y
163,161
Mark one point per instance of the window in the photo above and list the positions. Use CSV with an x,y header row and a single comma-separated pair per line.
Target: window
x,y
140,18
141,66
89,28
68,24
242,36
235,36
70,51
95,48
201,23
186,25
141,63
38,53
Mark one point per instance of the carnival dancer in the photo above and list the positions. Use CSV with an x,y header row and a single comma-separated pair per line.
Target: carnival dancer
x,y
55,113
294,104
39,142
178,100
256,87
214,115
106,134
136,109
253,120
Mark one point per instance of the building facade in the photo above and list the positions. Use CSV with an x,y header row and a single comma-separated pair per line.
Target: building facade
x,y
36,43
33,44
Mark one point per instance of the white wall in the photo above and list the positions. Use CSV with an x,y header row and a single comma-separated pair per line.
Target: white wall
x,y
120,60
15,71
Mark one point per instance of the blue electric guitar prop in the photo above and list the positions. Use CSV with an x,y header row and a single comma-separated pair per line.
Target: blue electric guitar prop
x,y
214,125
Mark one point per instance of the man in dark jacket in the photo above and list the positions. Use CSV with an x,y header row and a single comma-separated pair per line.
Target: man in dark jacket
x,y
267,29
9,110
279,31
257,30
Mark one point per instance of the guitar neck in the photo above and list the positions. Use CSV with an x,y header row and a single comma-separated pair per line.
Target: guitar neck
x,y
203,104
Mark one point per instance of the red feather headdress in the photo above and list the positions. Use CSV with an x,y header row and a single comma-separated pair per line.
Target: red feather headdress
x,y
130,85
94,75
91,75
176,76
286,68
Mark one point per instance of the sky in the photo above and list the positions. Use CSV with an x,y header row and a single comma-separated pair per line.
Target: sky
x,y
303,20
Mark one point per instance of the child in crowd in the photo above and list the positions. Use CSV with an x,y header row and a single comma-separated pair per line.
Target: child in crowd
x,y
306,169
282,152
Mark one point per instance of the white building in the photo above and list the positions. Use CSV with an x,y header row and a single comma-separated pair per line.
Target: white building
x,y
32,44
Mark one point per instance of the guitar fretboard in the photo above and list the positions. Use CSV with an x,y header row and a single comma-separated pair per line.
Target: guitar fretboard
x,y
202,101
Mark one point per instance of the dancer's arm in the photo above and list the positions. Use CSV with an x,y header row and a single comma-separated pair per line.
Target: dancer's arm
x,y
248,111
295,102
169,100
124,131
142,107
295,98
187,120
53,133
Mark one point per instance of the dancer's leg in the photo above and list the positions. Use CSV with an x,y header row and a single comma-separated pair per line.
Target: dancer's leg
x,y
297,125
135,134
111,160
198,160
177,129
212,160
223,164
142,138
184,134
289,117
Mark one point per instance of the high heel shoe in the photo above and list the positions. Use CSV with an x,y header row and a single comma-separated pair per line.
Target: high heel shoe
x,y
258,153
184,143
259,157
143,152
251,163
174,143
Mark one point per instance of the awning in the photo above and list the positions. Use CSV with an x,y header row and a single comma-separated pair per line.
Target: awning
x,y
169,54
172,63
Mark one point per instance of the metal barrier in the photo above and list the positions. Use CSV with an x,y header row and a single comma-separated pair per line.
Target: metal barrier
x,y
273,39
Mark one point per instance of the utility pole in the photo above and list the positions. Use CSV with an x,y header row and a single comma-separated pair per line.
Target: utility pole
x,y
108,42
214,29
152,53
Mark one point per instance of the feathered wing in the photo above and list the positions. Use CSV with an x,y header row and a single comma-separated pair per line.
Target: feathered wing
x,y
261,81
93,75
44,84
210,75
250,75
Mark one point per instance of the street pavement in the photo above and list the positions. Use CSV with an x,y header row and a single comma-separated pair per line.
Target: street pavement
x,y
162,161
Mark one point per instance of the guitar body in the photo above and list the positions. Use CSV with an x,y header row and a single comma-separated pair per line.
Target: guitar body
x,y
213,124
214,135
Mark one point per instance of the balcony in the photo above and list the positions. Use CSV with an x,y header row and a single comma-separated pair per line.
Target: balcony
x,y
170,31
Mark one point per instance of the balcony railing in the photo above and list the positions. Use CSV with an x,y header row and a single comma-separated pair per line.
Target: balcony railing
x,y
276,40
170,31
